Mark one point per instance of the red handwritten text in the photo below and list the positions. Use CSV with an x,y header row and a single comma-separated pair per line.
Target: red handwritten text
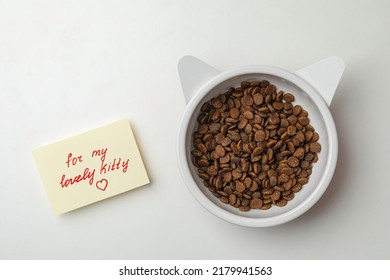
x,y
116,164
101,153
73,160
81,177
89,173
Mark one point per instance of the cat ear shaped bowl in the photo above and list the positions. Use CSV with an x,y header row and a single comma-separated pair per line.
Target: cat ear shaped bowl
x,y
313,86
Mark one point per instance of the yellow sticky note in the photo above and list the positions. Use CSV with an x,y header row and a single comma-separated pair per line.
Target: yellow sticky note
x,y
91,166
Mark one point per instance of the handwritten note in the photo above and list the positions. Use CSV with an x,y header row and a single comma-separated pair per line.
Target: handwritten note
x,y
91,166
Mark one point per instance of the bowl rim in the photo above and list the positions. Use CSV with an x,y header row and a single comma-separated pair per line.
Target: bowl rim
x,y
250,221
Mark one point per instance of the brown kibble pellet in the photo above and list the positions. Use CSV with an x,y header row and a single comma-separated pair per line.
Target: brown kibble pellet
x,y
236,174
297,109
232,199
287,170
258,99
224,160
256,167
279,188
315,147
196,153
245,84
278,105
202,148
315,137
293,161
228,190
227,177
288,97
266,206
281,203
234,113
270,89
203,162
224,199
274,119
256,203
226,141
308,135
245,201
283,178
284,123
220,151
276,195
240,187
205,107
300,137
299,153
287,186
302,181
238,203
291,130
296,188
218,138
203,128
244,208
216,103
289,196
259,136
257,151
247,100
212,171
215,126
248,114
303,120
253,147
309,156
242,124
305,164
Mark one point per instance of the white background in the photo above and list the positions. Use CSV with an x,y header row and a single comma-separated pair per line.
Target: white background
x,y
70,66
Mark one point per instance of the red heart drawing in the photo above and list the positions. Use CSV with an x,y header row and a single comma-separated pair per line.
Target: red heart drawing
x,y
102,184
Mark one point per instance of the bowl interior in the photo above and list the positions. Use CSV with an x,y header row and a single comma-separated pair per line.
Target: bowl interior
x,y
320,119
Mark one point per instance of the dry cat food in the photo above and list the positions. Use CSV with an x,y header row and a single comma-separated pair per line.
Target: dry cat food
x,y
253,147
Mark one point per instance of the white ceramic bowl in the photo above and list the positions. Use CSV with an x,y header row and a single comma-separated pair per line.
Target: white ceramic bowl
x,y
320,117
